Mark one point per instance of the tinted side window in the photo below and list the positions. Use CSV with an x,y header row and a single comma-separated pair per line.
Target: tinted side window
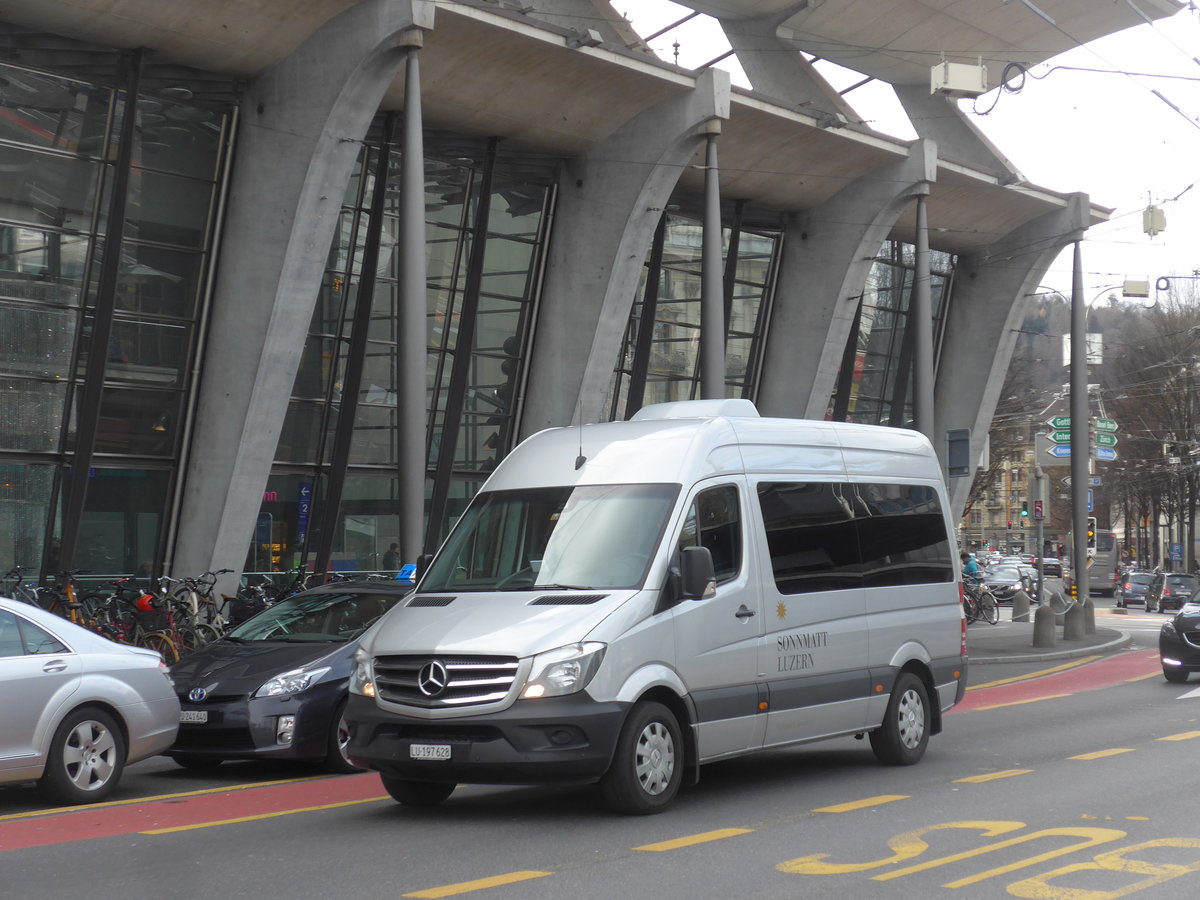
x,y
810,535
10,636
714,522
38,641
902,535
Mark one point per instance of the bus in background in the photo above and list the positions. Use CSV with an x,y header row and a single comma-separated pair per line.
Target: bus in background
x,y
1103,575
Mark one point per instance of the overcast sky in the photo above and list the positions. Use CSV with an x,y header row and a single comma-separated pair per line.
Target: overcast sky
x,y
1101,132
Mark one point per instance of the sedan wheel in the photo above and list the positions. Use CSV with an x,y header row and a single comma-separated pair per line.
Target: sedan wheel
x,y
86,758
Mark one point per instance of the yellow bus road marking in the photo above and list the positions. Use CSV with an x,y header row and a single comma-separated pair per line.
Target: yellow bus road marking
x,y
992,776
479,884
271,815
692,840
1022,702
862,804
229,788
1182,736
1039,674
1101,754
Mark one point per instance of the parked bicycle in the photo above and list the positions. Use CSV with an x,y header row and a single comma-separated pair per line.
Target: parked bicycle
x,y
979,603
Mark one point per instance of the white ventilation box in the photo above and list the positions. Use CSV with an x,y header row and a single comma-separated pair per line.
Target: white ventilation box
x,y
958,79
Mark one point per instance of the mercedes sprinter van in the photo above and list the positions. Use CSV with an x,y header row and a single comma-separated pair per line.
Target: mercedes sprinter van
x,y
624,602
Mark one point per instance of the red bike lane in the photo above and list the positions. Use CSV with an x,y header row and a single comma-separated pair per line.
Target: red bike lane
x,y
175,812
1107,672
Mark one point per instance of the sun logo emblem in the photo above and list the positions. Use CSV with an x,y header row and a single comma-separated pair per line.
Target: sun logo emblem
x,y
781,610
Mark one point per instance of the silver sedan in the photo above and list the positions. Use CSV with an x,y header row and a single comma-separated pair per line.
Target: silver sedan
x,y
75,707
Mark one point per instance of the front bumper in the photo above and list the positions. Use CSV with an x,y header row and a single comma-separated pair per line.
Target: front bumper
x,y
241,728
534,741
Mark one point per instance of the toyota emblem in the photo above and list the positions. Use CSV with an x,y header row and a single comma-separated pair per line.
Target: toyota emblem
x,y
433,678
197,695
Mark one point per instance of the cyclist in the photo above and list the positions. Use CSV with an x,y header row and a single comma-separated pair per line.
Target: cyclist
x,y
970,568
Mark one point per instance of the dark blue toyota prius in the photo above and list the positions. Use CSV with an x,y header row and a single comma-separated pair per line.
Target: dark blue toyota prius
x,y
1179,643
275,686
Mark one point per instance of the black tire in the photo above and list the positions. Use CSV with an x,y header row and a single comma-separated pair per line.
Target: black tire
x,y
1174,675
417,793
198,763
336,758
990,608
904,734
86,759
647,768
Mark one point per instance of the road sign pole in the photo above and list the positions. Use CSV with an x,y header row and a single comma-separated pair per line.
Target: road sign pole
x,y
1080,450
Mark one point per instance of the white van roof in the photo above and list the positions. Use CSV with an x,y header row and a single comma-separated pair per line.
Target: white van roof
x,y
686,441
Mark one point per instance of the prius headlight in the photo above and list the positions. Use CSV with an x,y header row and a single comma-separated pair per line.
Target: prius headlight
x,y
292,682
362,680
565,670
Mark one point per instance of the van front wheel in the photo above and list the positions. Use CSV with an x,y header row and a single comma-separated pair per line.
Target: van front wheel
x,y
647,768
904,734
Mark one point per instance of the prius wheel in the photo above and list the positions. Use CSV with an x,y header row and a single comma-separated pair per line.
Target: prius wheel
x,y
417,793
647,768
1174,675
904,734
87,756
337,753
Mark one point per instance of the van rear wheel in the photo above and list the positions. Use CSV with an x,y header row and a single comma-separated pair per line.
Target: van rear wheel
x,y
904,734
647,768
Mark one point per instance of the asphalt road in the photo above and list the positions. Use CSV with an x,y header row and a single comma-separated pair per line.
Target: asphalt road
x,y
1065,781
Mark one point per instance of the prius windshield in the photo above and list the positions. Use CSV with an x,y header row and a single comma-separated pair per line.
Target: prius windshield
x,y
586,537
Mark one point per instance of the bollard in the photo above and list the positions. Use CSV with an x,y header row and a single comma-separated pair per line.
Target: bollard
x,y
1043,626
1073,623
1020,606
1089,617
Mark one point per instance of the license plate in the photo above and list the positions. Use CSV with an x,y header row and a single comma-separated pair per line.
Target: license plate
x,y
194,716
429,751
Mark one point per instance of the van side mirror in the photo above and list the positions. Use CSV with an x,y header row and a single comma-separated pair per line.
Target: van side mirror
x,y
697,576
423,562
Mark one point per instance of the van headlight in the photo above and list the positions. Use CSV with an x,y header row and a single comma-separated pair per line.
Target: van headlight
x,y
565,670
292,682
362,679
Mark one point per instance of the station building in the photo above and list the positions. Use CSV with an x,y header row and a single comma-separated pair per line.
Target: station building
x,y
281,282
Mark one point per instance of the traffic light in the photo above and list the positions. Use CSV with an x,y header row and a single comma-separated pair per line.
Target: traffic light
x,y
1091,533
1024,509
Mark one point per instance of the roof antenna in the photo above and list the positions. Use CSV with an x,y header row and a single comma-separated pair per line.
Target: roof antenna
x,y
580,459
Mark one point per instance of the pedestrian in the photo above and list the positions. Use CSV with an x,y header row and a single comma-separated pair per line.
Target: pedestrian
x,y
391,559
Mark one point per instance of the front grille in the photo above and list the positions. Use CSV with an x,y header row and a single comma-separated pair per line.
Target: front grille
x,y
1192,637
210,699
470,680
207,738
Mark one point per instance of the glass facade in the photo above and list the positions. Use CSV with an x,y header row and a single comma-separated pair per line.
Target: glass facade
x,y
660,360
98,333
875,382
487,209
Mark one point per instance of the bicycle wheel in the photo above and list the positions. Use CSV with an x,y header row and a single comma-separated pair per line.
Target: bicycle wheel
x,y
989,609
162,643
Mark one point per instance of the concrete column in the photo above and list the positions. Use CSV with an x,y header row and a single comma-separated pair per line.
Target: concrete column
x,y
828,252
939,118
991,291
302,124
776,68
609,203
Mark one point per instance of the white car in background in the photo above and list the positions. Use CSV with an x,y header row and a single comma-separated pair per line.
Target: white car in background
x,y
75,707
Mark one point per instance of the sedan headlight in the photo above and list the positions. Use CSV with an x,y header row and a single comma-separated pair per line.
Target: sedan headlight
x,y
362,679
1168,628
565,670
292,682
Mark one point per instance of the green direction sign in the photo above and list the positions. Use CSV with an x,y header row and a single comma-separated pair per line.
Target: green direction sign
x,y
1059,421
1060,437
1105,440
1109,425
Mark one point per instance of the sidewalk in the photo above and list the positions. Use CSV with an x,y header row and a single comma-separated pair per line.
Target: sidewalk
x,y
1007,642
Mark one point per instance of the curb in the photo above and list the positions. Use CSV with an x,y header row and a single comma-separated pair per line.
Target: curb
x,y
1034,656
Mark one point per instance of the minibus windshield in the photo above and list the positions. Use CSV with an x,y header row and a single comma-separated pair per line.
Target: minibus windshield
x,y
557,538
